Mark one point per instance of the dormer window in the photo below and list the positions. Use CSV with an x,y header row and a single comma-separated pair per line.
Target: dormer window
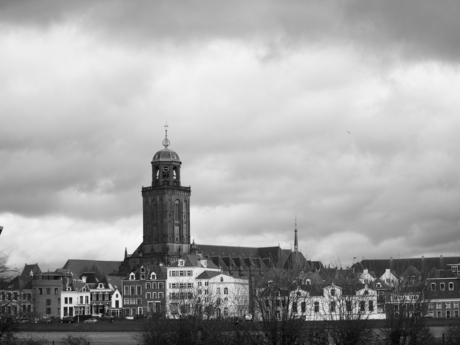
x,y
308,282
69,288
204,263
142,269
378,285
100,286
142,276
181,262
132,276
153,276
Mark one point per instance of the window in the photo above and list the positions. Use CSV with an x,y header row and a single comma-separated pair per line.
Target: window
x,y
48,311
139,301
308,282
442,286
189,285
348,305
138,290
132,301
438,305
371,305
366,292
206,283
132,276
142,269
189,273
332,306
154,286
181,273
154,295
199,283
294,307
218,291
451,286
447,305
160,295
56,291
81,299
378,285
455,305
433,286
303,307
362,305
48,291
48,301
66,300
147,295
132,290
147,286
126,290
332,292
456,313
448,313
225,291
221,279
172,273
126,301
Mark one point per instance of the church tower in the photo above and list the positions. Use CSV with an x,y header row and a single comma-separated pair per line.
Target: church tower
x,y
166,209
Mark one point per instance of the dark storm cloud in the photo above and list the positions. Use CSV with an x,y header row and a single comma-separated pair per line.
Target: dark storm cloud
x,y
416,29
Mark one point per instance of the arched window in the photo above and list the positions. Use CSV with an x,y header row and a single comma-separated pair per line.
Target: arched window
x,y
308,282
177,210
175,173
153,276
316,307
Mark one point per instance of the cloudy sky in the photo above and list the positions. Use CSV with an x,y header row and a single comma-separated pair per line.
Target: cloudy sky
x,y
342,113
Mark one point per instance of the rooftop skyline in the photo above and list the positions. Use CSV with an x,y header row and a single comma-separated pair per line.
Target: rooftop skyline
x,y
342,115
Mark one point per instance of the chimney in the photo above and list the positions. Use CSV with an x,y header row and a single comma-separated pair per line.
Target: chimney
x,y
441,263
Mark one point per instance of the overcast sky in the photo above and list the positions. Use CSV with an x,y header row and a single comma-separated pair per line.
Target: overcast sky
x,y
342,113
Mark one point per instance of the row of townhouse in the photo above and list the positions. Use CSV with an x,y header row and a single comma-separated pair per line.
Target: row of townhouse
x,y
190,285
322,301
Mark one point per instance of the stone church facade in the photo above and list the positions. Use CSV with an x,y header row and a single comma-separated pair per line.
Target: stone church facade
x,y
166,228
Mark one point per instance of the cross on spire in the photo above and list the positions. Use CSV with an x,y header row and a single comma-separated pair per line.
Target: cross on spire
x,y
166,141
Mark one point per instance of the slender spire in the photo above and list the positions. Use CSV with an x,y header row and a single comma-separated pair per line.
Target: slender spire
x,y
126,252
166,140
296,241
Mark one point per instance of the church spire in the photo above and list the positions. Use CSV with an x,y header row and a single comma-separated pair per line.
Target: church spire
x,y
126,252
296,242
166,140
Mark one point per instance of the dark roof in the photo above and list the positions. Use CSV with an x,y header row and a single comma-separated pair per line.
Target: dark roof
x,y
208,275
78,266
192,261
228,251
423,265
28,269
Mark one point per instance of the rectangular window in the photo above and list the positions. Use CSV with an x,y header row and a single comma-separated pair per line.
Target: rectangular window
x,y
126,290
189,273
48,301
455,305
160,295
332,307
371,305
147,295
48,291
181,273
132,301
40,291
81,299
433,286
442,286
139,301
70,300
456,313
199,283
48,311
154,295
447,305
66,300
348,305
438,305
56,291
294,307
303,306
86,300
147,286
448,313
126,301
362,306
172,273
160,286
189,285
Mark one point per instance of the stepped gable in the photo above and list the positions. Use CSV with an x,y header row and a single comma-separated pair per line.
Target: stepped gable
x,y
76,266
